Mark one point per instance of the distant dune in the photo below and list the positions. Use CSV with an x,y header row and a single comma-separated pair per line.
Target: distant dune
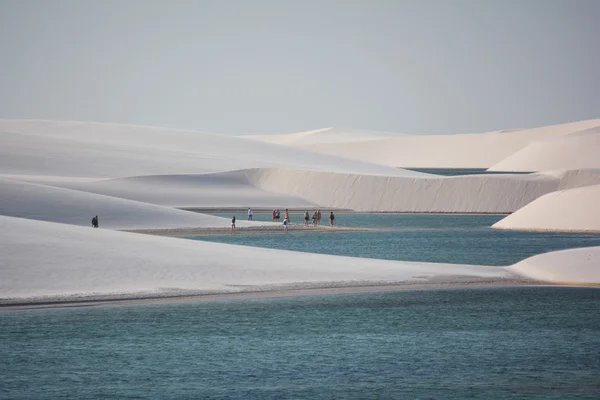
x,y
83,149
575,151
319,136
479,150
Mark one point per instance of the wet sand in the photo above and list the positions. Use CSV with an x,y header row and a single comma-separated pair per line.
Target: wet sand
x,y
246,293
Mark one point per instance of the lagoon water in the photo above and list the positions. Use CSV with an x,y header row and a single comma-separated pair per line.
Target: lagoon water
x,y
488,343
445,238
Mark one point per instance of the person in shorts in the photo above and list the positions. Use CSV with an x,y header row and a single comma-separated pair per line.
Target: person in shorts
x,y
306,217
285,224
233,224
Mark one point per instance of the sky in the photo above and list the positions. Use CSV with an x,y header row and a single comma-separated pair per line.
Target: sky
x,y
252,67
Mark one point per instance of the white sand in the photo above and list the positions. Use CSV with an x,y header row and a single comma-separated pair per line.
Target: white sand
x,y
132,176
291,188
40,259
479,150
573,266
564,210
575,151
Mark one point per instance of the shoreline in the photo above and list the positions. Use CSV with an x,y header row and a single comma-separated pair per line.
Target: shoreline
x,y
291,290
246,230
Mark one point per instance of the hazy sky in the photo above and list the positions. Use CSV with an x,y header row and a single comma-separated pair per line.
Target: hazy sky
x,y
282,66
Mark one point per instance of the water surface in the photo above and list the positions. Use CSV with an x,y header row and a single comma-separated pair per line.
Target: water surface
x,y
444,238
501,343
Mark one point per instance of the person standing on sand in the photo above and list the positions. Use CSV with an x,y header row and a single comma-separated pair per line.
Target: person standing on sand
x,y
318,217
250,214
314,219
233,224
286,215
277,214
306,217
273,215
286,222
331,219
95,221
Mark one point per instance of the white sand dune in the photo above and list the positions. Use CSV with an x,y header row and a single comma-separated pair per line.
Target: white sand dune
x,y
500,193
325,135
480,150
573,266
132,176
40,259
291,188
575,151
178,168
46,203
564,210
96,150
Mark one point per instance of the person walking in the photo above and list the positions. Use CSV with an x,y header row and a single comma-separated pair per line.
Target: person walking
x,y
95,221
250,214
273,215
277,214
318,217
306,217
286,222
233,224
286,215
331,219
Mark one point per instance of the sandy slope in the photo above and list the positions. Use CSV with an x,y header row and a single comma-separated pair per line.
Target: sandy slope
x,y
481,150
46,203
564,210
471,193
48,259
574,266
84,149
576,151
222,189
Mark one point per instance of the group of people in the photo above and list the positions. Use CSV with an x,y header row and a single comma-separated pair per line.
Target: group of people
x,y
316,218
276,216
